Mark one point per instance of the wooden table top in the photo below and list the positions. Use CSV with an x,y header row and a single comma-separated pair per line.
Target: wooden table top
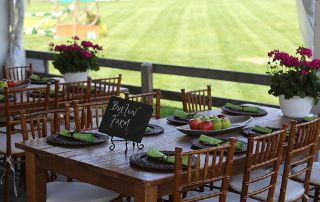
x,y
116,164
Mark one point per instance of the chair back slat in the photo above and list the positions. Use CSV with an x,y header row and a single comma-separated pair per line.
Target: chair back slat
x,y
152,99
19,73
302,145
262,151
204,171
41,124
103,89
66,92
89,115
196,100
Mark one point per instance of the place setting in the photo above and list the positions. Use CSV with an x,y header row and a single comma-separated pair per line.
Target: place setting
x,y
244,109
204,142
153,129
180,117
75,138
158,160
39,79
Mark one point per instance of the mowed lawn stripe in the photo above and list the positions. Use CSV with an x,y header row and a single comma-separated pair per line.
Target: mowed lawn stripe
x,y
161,28
260,14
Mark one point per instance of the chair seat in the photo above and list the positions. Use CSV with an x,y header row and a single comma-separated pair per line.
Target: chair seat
x,y
14,139
294,189
315,173
78,192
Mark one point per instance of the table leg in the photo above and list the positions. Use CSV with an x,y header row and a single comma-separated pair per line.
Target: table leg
x,y
36,180
145,194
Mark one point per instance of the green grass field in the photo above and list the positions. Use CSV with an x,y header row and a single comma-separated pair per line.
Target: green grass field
x,y
232,35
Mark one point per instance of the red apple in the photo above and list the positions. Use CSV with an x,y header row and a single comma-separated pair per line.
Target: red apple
x,y
194,123
11,83
205,125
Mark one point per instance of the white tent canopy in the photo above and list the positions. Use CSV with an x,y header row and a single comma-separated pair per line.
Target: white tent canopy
x,y
309,21
16,53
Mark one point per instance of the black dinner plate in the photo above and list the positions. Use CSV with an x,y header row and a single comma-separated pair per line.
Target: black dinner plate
x,y
155,130
262,112
142,160
42,81
66,141
197,144
177,121
246,131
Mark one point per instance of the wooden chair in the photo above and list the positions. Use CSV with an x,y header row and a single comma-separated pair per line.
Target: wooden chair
x,y
303,141
152,99
196,100
102,89
314,176
17,73
261,151
16,100
61,191
89,115
68,92
208,168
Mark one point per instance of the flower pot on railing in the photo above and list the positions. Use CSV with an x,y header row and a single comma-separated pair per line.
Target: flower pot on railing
x,y
75,76
76,58
296,107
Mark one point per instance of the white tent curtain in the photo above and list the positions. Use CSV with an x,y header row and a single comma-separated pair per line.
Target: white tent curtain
x,y
16,52
306,18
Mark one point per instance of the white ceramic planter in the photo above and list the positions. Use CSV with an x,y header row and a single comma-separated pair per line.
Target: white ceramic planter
x,y
296,107
75,76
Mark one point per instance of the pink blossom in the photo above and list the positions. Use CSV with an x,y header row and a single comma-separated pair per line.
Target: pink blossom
x,y
75,38
86,44
304,52
304,72
97,47
86,54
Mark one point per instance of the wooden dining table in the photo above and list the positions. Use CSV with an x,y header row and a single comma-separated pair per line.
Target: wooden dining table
x,y
112,169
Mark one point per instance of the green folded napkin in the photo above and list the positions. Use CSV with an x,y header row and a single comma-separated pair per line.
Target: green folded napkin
x,y
210,140
308,118
2,98
261,129
242,108
184,115
239,145
38,78
156,154
148,129
85,137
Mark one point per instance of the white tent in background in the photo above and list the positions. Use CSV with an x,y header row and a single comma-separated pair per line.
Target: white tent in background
x,y
309,21
16,53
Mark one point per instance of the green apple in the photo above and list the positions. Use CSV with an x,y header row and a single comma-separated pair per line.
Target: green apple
x,y
216,124
225,123
3,84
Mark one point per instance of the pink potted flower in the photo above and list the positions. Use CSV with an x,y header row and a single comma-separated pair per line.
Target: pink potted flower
x,y
76,58
294,79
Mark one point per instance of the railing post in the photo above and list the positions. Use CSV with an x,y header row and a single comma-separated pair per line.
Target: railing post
x,y
146,77
46,66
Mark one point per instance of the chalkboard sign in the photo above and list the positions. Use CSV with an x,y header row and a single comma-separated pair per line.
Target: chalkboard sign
x,y
125,119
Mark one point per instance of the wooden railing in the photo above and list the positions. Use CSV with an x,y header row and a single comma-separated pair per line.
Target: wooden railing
x,y
148,69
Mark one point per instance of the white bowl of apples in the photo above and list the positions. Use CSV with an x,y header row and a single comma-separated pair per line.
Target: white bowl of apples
x,y
214,124
13,84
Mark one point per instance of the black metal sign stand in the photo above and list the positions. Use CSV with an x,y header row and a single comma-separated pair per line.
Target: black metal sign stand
x,y
113,146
